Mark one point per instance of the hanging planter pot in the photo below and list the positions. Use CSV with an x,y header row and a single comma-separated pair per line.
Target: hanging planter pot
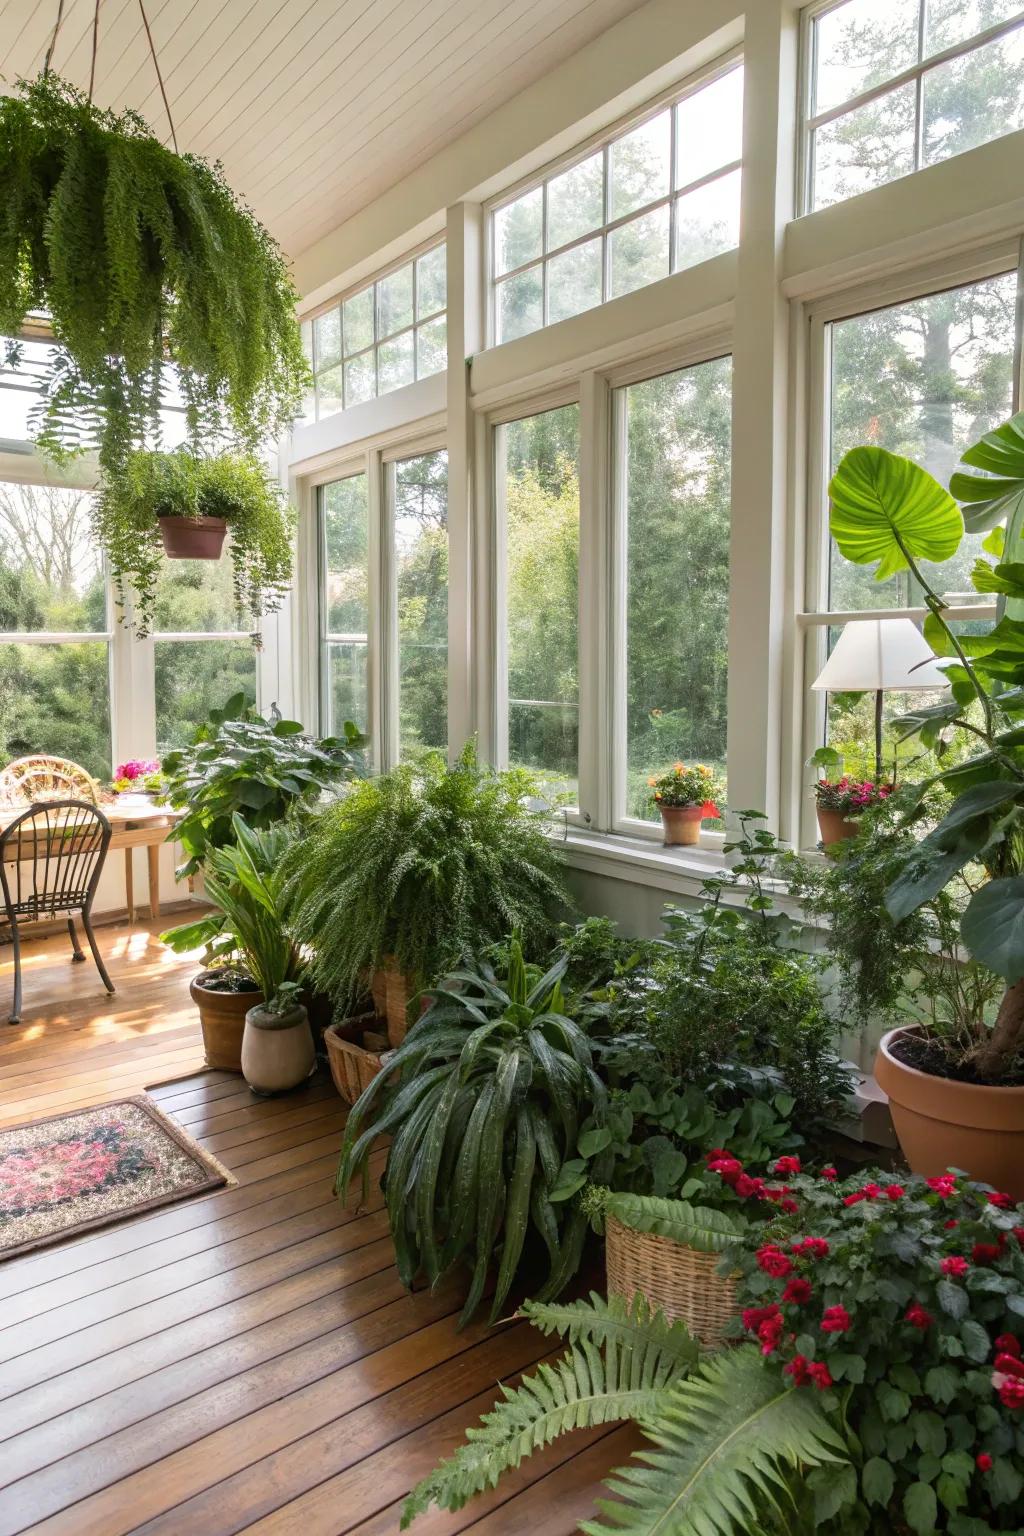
x,y
192,538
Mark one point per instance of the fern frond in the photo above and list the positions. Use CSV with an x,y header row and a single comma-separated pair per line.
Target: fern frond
x,y
621,1365
727,1442
694,1226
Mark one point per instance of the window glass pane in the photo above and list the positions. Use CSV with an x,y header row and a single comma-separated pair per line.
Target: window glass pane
x,y
359,322
708,221
677,606
640,166
431,282
51,573
576,201
421,562
518,231
360,378
19,387
196,595
520,304
923,379
56,699
574,280
975,98
394,301
395,363
638,252
345,618
195,676
862,44
327,328
432,347
538,470
709,128
949,22
867,148
328,392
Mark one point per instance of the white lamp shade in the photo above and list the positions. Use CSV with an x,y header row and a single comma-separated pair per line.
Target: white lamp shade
x,y
876,654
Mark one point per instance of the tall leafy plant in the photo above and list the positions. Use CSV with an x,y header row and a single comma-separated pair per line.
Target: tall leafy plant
x,y
141,257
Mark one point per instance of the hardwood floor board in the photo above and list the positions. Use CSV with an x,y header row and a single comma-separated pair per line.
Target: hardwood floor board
x,y
556,1503
330,1118
216,1121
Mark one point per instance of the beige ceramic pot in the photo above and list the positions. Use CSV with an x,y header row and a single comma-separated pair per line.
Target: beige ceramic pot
x,y
222,1018
277,1049
834,826
681,824
945,1124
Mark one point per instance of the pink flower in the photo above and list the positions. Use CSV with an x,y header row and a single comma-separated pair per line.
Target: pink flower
x,y
918,1317
784,1165
773,1261
798,1290
1011,1393
835,1320
954,1265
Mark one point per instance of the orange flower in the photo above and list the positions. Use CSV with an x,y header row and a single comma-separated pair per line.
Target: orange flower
x,y
652,780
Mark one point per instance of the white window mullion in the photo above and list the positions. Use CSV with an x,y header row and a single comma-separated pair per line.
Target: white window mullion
x,y
388,624
376,609
596,726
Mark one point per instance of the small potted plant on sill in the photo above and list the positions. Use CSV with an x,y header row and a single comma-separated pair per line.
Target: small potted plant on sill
x,y
686,797
841,802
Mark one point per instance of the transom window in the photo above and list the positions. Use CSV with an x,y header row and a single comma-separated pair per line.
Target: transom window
x,y
896,85
660,196
386,334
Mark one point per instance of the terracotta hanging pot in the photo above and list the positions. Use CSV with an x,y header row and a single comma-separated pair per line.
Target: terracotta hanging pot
x,y
192,538
834,826
681,824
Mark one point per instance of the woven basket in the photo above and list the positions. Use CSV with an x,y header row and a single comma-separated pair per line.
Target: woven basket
x,y
392,989
353,1068
683,1283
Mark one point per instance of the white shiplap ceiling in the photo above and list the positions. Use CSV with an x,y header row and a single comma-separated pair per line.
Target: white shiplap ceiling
x,y
315,107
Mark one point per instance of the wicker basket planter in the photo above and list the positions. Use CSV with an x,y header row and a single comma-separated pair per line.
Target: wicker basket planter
x,y
681,1282
353,1066
392,988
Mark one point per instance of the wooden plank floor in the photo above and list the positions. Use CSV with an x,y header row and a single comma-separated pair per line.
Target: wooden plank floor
x,y
247,1360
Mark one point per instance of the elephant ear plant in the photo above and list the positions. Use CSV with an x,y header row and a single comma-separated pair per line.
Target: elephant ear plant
x,y
483,1101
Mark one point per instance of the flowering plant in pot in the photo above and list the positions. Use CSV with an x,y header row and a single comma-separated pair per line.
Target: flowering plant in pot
x,y
138,781
958,1102
686,797
841,802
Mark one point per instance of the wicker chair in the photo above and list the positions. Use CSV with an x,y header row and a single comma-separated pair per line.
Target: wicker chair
x,y
51,859
29,780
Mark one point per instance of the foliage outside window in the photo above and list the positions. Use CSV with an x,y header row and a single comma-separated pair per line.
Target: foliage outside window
x,y
657,198
896,85
420,507
344,534
385,335
200,658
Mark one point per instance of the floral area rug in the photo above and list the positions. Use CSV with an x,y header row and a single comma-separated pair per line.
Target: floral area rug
x,y
80,1170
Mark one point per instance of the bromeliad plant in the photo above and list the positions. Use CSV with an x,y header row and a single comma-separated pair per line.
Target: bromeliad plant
x,y
483,1101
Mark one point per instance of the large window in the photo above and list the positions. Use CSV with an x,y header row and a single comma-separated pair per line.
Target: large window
x,y
344,531
201,658
420,509
54,628
895,85
539,498
661,196
381,337
675,434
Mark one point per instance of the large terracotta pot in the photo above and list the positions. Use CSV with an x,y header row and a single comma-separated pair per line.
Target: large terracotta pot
x,y
681,824
222,1017
945,1124
192,538
834,826
277,1049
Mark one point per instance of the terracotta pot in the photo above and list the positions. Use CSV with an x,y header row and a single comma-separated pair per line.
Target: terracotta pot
x,y
681,824
277,1049
192,538
222,1017
945,1124
834,826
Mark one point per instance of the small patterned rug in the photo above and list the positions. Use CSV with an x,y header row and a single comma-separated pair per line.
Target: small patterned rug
x,y
83,1169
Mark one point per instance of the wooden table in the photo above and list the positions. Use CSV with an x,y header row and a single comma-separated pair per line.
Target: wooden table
x,y
136,827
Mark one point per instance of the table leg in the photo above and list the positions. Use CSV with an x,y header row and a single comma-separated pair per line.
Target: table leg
x,y
129,885
153,857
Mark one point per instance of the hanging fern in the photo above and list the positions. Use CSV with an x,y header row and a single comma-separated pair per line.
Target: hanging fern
x,y
140,257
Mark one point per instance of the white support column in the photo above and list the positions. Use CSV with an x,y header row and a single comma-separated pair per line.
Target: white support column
x,y
465,493
759,419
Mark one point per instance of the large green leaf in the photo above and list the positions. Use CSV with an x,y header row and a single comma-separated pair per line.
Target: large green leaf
x,y
992,927
694,1226
997,494
885,507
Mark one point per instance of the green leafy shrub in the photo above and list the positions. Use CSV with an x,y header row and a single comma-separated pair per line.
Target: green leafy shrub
x,y
185,484
424,863
141,257
240,762
483,1099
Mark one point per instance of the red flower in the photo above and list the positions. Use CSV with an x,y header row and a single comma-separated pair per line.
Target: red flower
x,y
983,1462
951,1223
854,1199
1001,1202
728,1167
1018,1233
770,1332
829,1173
820,1374
709,810
954,1265
753,1317
785,1165
835,1320
773,1261
814,1247
895,1191
797,1368
944,1185
917,1316
1011,1393
986,1253
776,1192
1006,1344
748,1188
798,1290
1010,1365
789,1205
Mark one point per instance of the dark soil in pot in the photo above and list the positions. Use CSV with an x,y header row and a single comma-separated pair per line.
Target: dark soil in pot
x,y
929,1056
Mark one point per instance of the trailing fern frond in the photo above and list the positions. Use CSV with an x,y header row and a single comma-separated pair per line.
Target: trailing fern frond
x,y
694,1226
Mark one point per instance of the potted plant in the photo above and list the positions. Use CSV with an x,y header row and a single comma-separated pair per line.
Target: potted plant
x,y
413,868
685,797
142,258
841,802
137,783
958,1102
183,504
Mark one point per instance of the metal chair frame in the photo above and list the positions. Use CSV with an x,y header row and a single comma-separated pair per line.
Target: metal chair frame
x,y
70,839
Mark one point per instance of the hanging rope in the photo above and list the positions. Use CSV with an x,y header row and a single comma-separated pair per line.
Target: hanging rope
x,y
159,76
53,39
95,40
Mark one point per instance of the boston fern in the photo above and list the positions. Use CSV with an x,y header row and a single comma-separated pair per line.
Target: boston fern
x,y
235,487
423,863
141,257
482,1100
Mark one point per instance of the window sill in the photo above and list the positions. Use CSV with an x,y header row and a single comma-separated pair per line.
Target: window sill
x,y
677,871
